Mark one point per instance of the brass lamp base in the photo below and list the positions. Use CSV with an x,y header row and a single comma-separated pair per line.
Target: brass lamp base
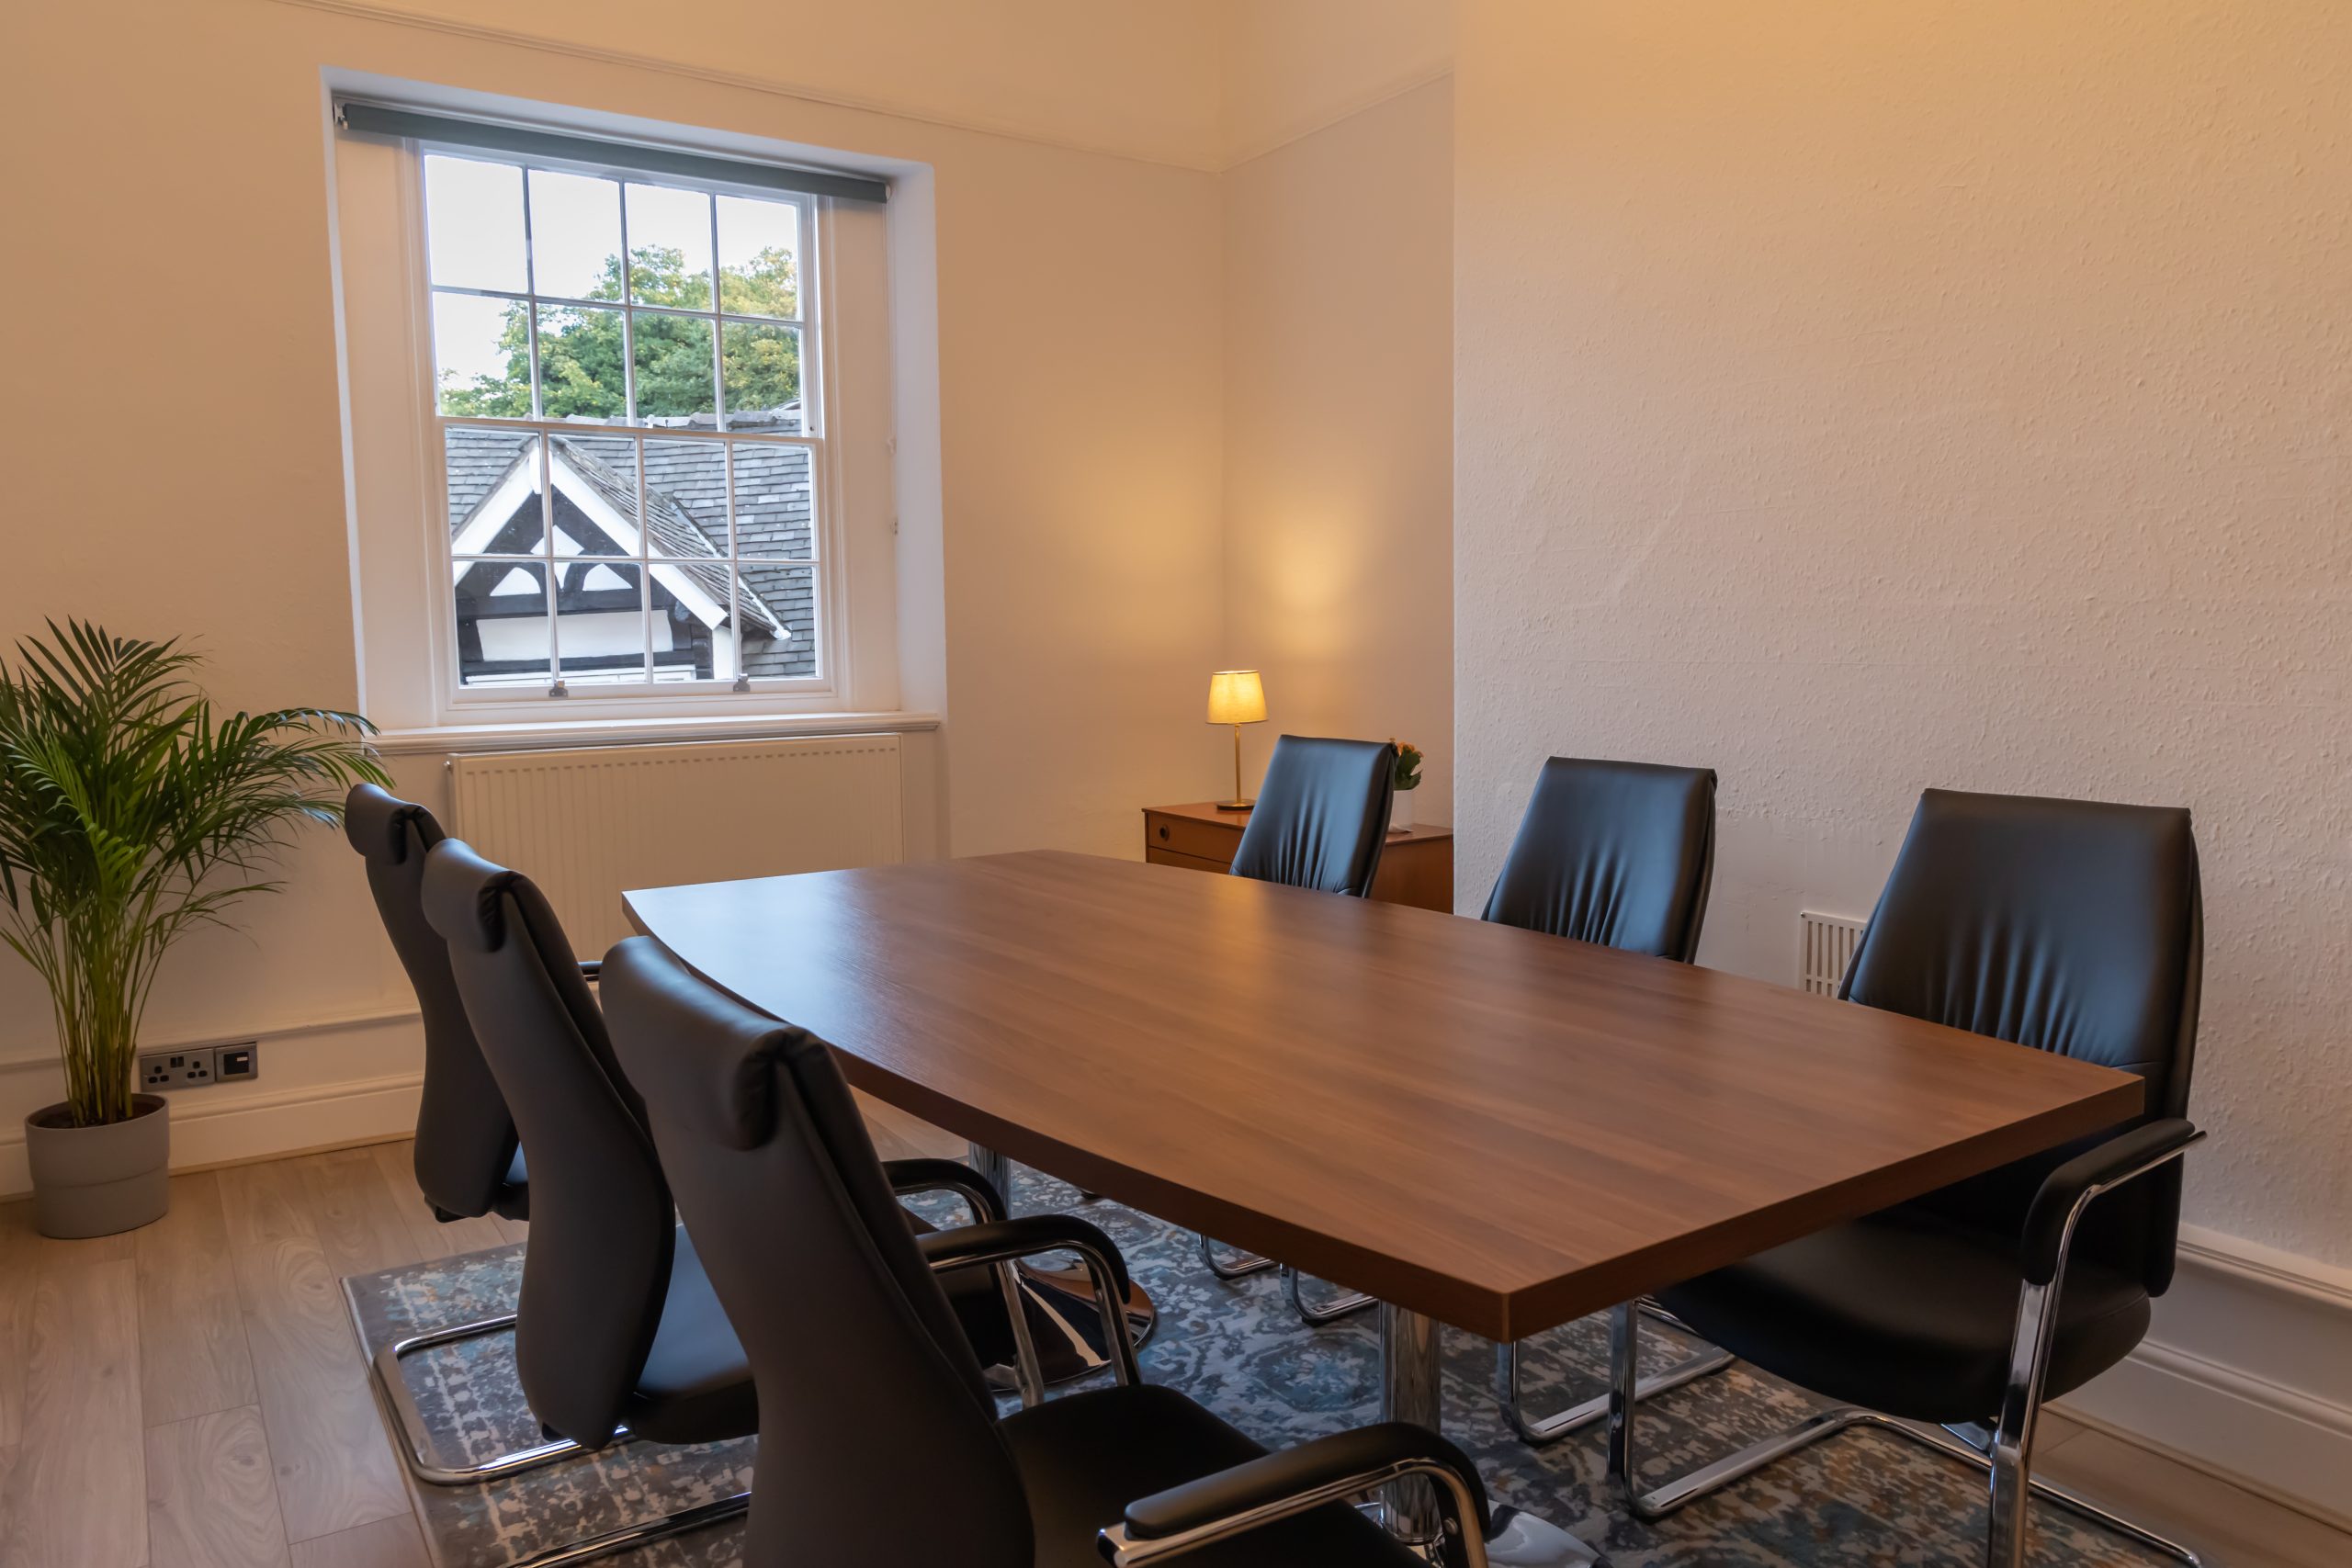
x,y
1235,804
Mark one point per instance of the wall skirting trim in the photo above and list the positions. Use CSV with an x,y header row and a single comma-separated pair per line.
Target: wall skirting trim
x,y
259,1126
2246,1375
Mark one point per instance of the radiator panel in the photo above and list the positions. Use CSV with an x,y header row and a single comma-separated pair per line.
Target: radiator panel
x,y
587,825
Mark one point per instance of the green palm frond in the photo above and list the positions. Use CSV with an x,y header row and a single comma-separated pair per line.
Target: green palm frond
x,y
130,813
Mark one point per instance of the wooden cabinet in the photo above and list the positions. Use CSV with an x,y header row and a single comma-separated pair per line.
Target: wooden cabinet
x,y
1417,866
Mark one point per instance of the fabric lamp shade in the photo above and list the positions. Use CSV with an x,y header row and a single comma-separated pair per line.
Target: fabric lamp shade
x,y
1237,696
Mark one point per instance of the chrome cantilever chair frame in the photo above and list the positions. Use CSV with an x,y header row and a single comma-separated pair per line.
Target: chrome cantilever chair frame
x,y
1539,1431
2005,1452
424,1463
1250,1263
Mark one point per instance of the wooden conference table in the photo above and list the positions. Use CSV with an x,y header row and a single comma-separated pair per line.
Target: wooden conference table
x,y
1480,1126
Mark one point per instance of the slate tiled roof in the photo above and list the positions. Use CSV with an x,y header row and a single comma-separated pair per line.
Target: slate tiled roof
x,y
686,491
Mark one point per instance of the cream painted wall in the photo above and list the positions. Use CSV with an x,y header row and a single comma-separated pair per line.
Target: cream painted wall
x,y
1338,460
1856,398
1293,66
1128,77
176,463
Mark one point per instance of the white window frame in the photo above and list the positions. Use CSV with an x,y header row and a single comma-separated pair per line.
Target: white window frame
x,y
557,698
868,274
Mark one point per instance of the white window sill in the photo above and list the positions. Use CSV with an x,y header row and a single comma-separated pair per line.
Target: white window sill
x,y
548,735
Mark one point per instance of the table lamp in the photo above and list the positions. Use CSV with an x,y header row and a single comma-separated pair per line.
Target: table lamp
x,y
1236,697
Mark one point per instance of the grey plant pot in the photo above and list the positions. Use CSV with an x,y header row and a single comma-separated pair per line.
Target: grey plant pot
x,y
97,1180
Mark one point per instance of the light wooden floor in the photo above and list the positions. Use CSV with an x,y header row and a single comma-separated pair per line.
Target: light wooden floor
x,y
190,1395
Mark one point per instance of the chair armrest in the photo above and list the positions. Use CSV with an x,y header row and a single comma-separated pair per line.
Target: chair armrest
x,y
591,970
1389,1448
947,1176
2050,1223
1262,1491
1005,1240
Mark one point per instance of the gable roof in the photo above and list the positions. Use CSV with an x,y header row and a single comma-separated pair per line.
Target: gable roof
x,y
686,495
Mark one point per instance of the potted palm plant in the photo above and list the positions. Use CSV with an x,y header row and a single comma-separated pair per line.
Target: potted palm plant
x,y
132,814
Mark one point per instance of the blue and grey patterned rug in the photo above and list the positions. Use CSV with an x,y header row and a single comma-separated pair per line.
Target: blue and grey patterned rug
x,y
1863,1497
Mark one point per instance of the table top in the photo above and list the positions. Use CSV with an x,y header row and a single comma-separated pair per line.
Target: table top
x,y
1209,811
1501,1129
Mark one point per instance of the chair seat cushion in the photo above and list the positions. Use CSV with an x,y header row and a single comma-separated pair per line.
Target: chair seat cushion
x,y
696,1386
513,1199
1085,1456
1907,1312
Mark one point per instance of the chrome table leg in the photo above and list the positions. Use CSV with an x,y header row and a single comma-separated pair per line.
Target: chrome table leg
x,y
1411,1390
993,1167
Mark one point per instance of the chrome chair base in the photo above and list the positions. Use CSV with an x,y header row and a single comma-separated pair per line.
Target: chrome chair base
x,y
1347,1304
1675,1495
1243,1265
408,1422
1539,1431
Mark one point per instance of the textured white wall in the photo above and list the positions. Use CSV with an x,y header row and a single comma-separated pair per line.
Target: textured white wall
x,y
1856,398
1338,434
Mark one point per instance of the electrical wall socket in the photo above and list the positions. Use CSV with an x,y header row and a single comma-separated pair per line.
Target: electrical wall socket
x,y
191,1067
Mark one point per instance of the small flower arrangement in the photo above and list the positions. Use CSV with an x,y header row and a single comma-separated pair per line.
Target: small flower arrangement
x,y
1408,765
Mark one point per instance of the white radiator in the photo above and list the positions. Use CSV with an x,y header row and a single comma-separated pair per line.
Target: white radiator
x,y
1825,947
588,825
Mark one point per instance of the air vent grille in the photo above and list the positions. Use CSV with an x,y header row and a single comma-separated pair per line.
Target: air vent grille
x,y
1824,946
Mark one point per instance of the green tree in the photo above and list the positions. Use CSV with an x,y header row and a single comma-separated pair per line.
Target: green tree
x,y
580,350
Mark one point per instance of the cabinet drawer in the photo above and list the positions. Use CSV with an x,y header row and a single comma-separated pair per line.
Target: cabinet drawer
x,y
1190,836
1154,855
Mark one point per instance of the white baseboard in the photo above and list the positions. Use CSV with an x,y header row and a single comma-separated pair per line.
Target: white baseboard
x,y
342,1080
2246,1375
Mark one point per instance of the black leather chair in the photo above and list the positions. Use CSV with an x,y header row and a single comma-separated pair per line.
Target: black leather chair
x,y
469,1162
619,1334
1619,854
1320,823
773,1171
1322,816
2062,925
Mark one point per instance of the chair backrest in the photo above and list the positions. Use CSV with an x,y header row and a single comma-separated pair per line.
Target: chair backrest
x,y
1322,817
864,1377
597,1270
2071,926
1617,853
465,1139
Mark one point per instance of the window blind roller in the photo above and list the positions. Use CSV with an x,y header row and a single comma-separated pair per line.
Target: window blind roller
x,y
379,119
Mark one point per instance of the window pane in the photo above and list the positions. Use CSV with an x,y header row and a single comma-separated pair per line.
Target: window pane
x,y
575,236
595,497
673,369
759,257
669,247
481,357
762,362
779,605
774,503
580,361
601,606
473,216
685,492
501,611
493,479
693,638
